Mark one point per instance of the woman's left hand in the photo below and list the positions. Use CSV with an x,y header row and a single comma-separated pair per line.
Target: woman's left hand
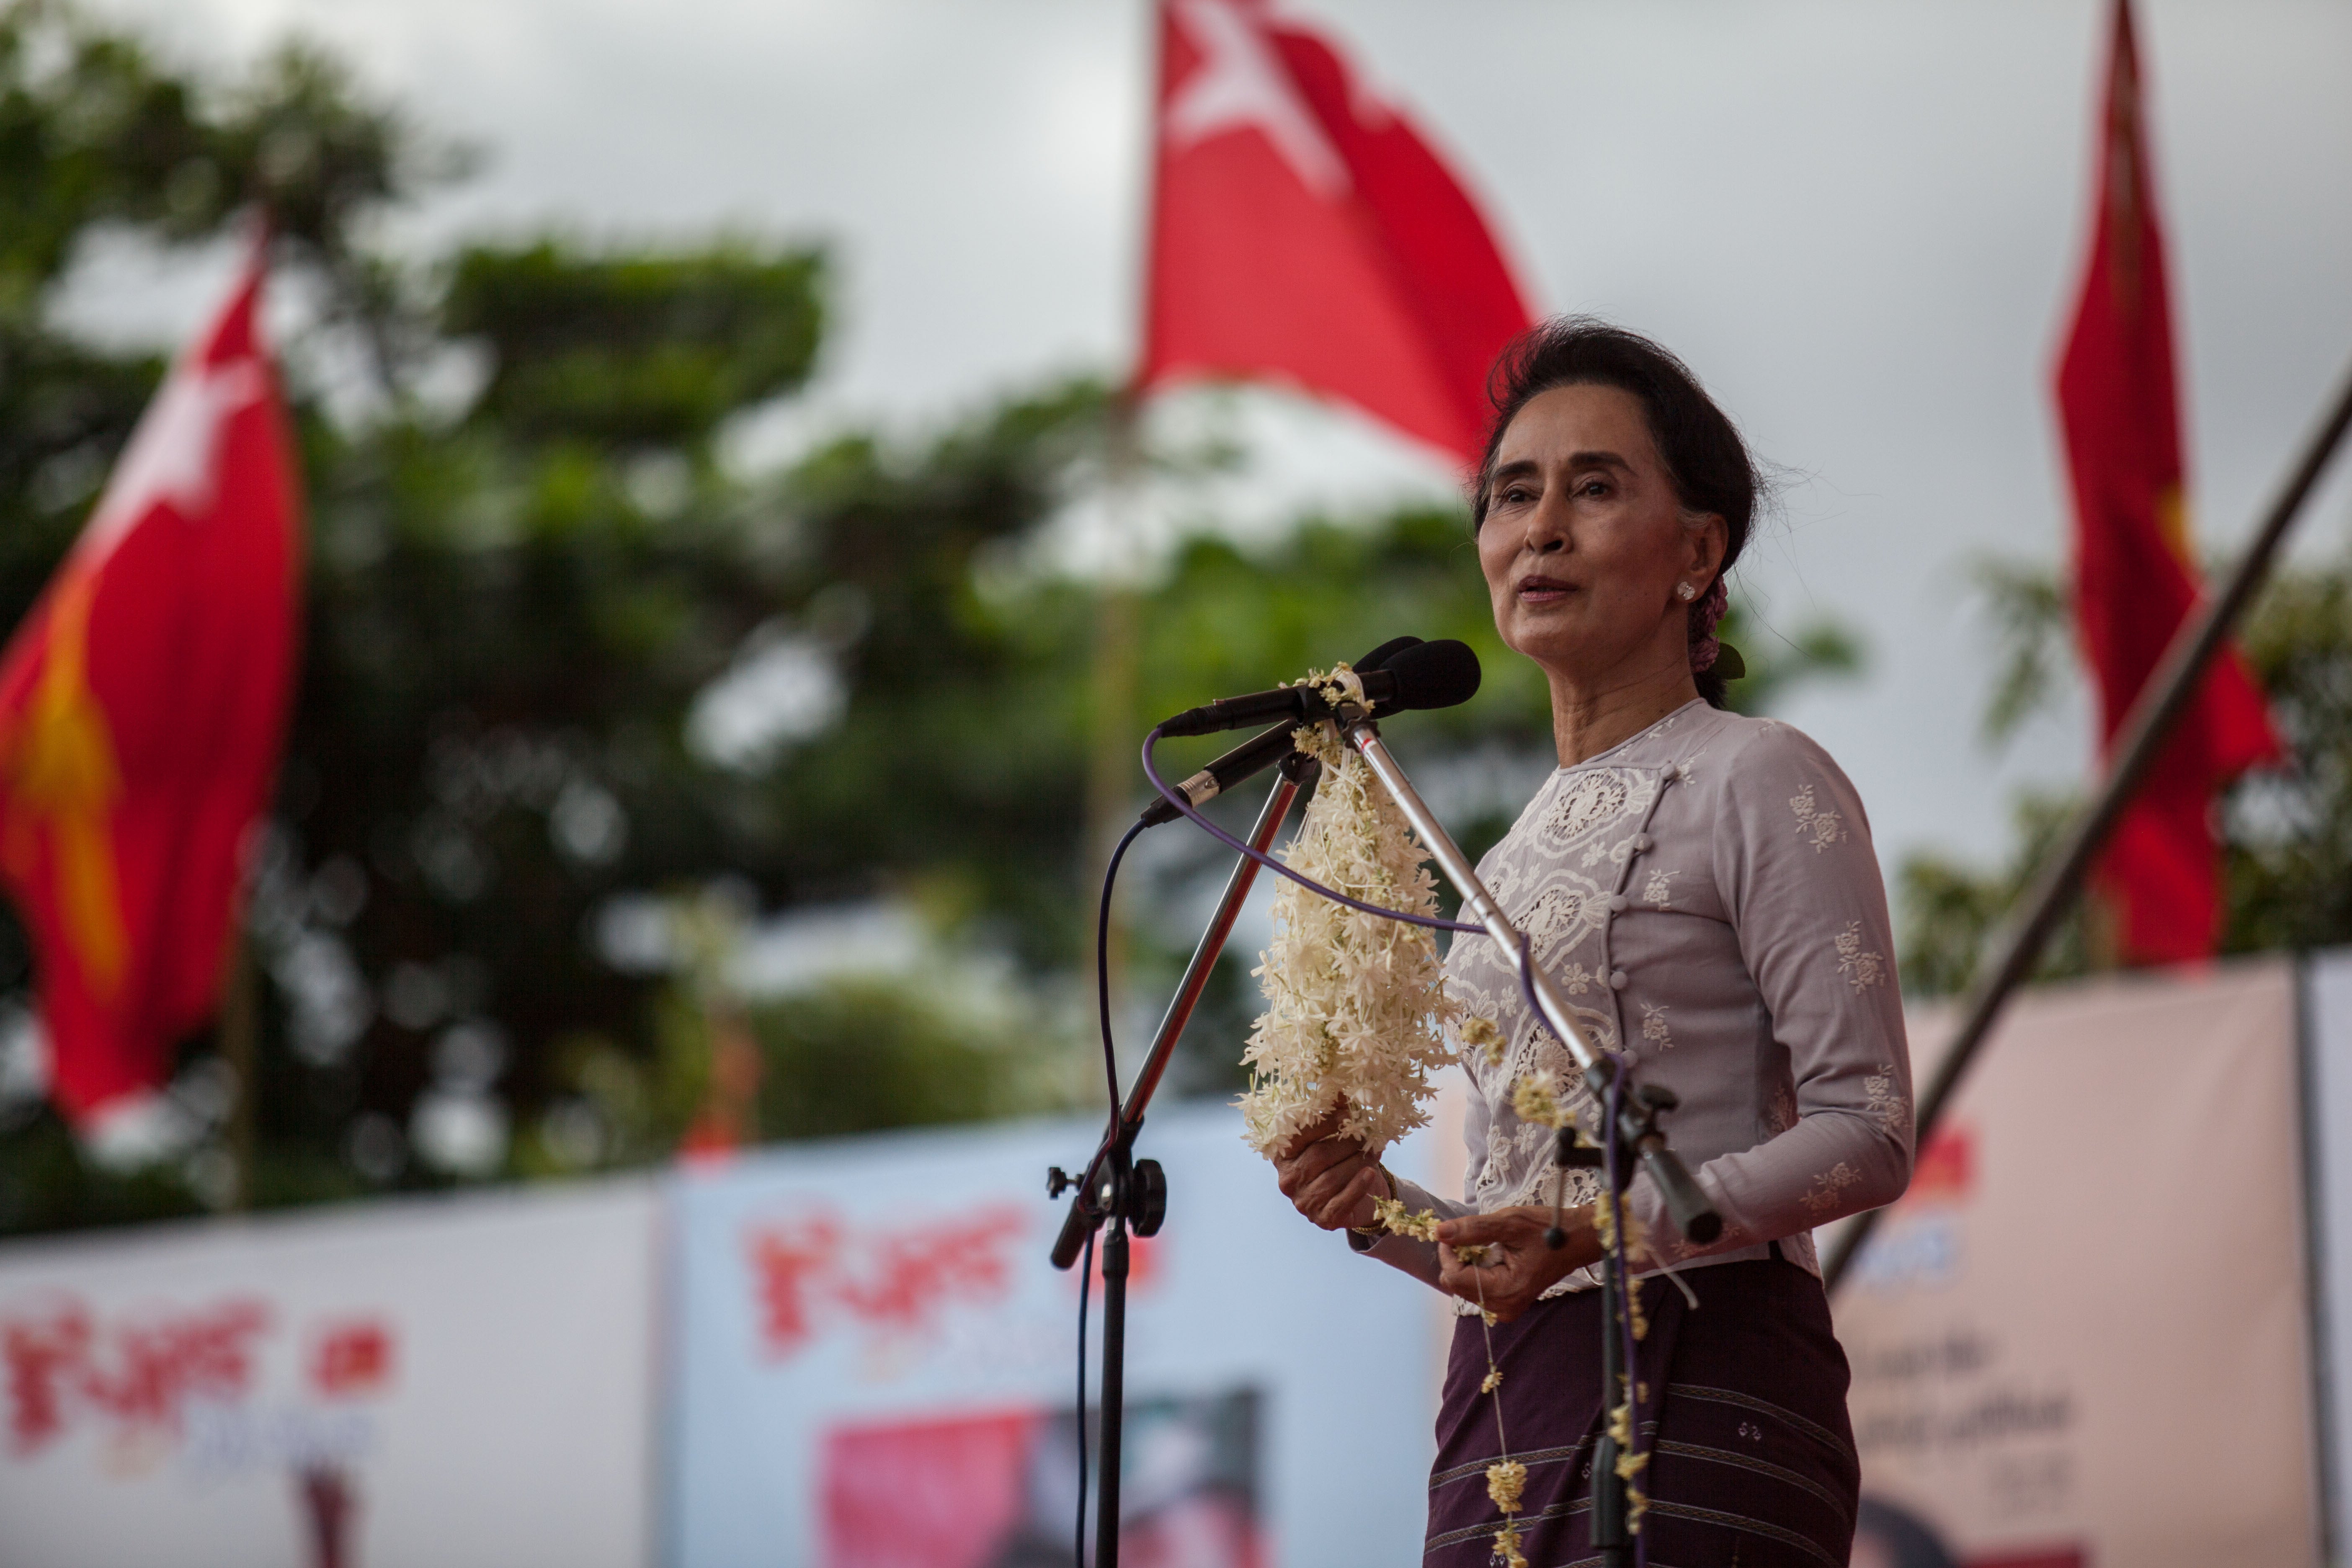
x,y
1517,1267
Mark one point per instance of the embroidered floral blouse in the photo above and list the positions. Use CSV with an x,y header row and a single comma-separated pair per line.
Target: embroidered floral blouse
x,y
1705,897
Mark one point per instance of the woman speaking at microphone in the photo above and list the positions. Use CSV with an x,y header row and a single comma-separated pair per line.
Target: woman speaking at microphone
x,y
1701,887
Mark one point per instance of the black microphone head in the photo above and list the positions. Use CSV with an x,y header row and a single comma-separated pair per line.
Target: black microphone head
x,y
1442,674
1379,658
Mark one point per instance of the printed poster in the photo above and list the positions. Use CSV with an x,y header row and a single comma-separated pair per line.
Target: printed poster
x,y
464,1384
876,1366
2082,1339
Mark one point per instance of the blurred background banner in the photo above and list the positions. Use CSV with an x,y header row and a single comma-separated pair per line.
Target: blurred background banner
x,y
468,1385
2096,1332
874,1366
2083,1337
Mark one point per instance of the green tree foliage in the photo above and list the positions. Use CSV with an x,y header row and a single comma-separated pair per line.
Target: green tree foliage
x,y
954,774
2286,833
637,351
933,1065
2289,833
1950,910
511,617
97,138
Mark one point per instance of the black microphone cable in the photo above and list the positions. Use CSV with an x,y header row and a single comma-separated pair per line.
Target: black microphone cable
x,y
1186,808
1110,1082
1102,967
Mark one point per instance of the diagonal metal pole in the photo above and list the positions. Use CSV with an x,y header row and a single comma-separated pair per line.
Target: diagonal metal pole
x,y
2162,700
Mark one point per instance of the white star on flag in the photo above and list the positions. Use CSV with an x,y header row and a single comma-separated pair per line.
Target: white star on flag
x,y
1243,85
174,452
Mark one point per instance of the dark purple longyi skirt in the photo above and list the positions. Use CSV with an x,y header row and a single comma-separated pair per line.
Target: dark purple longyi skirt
x,y
1752,1462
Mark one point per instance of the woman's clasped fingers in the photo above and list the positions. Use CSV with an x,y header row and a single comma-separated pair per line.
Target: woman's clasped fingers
x,y
1330,1181
1500,1261
1324,1127
1328,1178
1511,1226
1350,1203
1503,1281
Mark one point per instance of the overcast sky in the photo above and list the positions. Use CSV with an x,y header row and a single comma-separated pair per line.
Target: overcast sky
x,y
1861,222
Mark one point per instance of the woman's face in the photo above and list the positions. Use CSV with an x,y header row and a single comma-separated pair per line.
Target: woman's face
x,y
1585,542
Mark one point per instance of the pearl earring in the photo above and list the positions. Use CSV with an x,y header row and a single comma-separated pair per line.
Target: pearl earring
x,y
1685,593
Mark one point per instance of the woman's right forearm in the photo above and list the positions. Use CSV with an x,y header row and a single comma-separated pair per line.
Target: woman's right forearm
x,y
1418,1258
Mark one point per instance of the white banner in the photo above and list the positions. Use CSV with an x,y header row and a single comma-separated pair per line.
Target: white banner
x,y
2083,1338
876,1365
416,1384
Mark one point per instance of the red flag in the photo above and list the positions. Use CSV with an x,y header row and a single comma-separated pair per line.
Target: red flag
x,y
2135,574
1301,230
141,706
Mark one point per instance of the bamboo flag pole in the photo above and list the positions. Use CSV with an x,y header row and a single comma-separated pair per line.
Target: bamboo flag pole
x,y
239,1048
1112,769
2161,701
1113,773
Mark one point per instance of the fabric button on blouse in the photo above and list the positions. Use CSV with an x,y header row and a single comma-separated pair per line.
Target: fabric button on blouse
x,y
1618,903
1642,841
1619,980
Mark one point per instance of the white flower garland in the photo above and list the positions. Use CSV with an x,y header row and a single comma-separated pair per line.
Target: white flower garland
x,y
1356,1003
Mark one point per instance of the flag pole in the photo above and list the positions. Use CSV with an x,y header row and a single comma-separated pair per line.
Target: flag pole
x,y
240,1000
239,1049
1126,1200
1111,774
1118,615
2165,695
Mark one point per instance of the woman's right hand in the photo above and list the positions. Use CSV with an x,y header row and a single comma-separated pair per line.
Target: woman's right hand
x,y
1330,1179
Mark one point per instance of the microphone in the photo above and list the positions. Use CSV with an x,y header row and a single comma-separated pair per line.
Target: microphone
x,y
1253,756
1425,675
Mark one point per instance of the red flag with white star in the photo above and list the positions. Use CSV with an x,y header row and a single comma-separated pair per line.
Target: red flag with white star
x,y
1302,231
143,704
2135,574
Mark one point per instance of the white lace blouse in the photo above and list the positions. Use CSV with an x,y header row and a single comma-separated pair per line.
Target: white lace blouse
x,y
1705,897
